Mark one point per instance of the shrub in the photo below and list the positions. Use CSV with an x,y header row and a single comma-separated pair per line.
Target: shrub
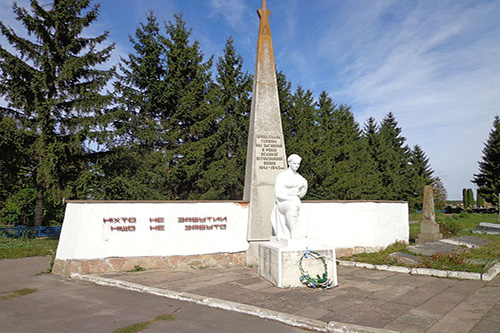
x,y
449,227
19,208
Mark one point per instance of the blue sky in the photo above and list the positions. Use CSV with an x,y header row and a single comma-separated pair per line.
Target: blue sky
x,y
434,64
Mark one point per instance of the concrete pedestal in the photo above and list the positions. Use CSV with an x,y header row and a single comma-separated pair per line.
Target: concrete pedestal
x,y
429,232
279,263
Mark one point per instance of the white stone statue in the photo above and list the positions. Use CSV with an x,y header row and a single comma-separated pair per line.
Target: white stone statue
x,y
289,188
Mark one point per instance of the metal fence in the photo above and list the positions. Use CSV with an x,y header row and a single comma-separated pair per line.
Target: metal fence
x,y
30,232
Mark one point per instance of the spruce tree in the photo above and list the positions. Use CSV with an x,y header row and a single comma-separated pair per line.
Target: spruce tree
x,y
393,159
137,166
299,128
422,175
372,141
139,88
188,117
488,178
230,100
15,143
343,166
53,89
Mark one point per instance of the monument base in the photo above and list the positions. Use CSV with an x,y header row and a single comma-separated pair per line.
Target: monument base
x,y
429,232
279,264
123,264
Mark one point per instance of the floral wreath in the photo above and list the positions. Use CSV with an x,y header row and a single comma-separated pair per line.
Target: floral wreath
x,y
323,281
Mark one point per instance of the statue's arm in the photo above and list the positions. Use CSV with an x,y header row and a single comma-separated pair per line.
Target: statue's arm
x,y
280,190
303,189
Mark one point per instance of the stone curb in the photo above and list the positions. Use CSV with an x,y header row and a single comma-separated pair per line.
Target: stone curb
x,y
289,319
488,276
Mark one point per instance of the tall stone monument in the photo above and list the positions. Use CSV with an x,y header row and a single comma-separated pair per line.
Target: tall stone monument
x,y
429,229
266,156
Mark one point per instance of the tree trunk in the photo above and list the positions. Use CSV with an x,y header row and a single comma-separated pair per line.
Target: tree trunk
x,y
39,207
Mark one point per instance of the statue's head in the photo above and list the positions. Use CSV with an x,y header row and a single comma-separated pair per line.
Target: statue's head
x,y
294,162
294,157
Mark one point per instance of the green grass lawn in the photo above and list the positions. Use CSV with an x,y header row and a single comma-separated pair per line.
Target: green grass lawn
x,y
12,248
475,260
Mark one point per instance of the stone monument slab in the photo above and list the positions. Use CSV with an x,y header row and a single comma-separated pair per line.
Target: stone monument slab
x,y
430,248
405,258
469,241
429,229
279,264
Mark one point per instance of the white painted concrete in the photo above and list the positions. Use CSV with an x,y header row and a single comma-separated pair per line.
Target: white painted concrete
x,y
348,224
91,230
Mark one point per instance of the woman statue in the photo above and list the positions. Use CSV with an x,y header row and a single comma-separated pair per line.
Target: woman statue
x,y
289,188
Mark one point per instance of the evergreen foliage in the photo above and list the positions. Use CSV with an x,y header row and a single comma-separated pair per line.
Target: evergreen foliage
x,y
343,163
470,198
53,90
137,165
176,126
392,159
231,102
421,175
479,200
488,178
191,133
440,193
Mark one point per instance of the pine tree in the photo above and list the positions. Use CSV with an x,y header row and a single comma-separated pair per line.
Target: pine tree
x,y
231,102
488,178
53,87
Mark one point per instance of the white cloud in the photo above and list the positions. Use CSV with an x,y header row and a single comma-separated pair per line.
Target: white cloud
x,y
435,65
233,11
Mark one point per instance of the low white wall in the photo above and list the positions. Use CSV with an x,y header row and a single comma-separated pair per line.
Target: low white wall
x,y
348,224
100,229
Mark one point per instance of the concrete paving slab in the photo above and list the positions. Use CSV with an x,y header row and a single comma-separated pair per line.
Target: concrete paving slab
x,y
442,303
468,313
377,299
490,323
415,321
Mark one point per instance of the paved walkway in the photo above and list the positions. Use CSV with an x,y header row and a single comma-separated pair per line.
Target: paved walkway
x,y
31,302
377,299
